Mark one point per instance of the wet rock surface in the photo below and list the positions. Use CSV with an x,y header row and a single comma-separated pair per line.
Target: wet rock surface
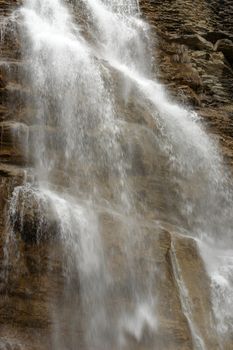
x,y
193,48
193,57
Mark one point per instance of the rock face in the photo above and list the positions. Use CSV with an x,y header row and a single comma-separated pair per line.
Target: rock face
x,y
194,58
193,49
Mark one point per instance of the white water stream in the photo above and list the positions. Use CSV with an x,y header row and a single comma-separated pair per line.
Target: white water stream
x,y
73,59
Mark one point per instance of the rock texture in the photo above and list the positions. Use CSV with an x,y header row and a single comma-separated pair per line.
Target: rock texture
x,y
194,58
193,49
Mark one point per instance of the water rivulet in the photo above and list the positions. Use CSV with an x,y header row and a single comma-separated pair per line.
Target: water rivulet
x,y
119,172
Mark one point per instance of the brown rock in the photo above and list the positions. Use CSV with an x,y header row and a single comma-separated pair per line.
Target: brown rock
x,y
194,42
193,47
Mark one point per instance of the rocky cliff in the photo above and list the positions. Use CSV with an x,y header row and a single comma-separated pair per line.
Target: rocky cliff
x,y
194,58
192,43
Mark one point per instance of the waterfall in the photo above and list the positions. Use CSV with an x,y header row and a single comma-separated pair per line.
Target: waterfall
x,y
70,77
90,69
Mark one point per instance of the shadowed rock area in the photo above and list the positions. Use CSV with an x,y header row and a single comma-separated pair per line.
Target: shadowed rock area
x,y
192,45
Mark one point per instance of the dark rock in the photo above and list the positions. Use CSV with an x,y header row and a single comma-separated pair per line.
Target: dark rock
x,y
32,215
214,36
226,46
194,42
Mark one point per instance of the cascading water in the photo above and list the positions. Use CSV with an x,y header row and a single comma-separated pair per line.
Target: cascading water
x,y
73,101
86,70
